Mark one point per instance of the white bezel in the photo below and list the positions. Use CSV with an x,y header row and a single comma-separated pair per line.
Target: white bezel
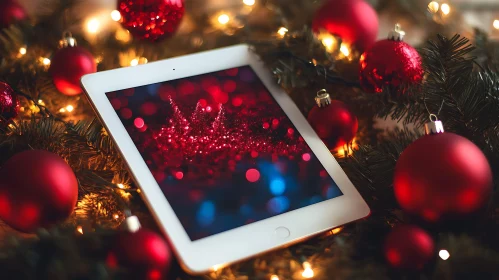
x,y
240,243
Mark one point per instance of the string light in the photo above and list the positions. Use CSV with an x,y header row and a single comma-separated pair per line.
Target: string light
x,y
445,8
328,40
282,31
274,277
116,15
344,50
134,62
116,216
249,2
123,35
223,19
93,25
41,102
79,229
335,231
433,7
496,24
444,254
22,51
308,272
45,61
69,108
121,186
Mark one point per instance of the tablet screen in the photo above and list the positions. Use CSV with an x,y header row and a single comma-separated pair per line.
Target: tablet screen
x,y
222,150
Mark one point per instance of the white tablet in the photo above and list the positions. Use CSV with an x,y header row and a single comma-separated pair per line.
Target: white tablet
x,y
227,163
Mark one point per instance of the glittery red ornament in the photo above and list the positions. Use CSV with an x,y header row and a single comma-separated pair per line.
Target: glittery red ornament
x,y
335,124
37,189
408,247
390,63
69,64
10,11
151,20
442,177
354,21
9,103
143,250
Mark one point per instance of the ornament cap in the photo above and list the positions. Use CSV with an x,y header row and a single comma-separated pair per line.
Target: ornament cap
x,y
67,40
322,99
132,224
397,34
434,126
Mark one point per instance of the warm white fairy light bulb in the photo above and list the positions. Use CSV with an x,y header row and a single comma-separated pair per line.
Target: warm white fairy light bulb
x,y
93,25
223,19
344,50
433,7
249,2
496,24
444,254
274,277
70,108
308,272
134,62
445,8
116,15
46,61
22,51
282,31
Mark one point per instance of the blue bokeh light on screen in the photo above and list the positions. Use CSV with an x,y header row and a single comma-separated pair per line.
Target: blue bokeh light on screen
x,y
277,186
332,191
206,213
278,204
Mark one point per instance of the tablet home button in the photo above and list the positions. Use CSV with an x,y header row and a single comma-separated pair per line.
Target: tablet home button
x,y
282,232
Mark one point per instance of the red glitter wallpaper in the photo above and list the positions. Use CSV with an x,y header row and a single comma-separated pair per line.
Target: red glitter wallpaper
x,y
222,150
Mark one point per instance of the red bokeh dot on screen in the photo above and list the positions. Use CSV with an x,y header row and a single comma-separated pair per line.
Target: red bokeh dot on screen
x,y
254,154
148,108
275,122
229,86
208,109
186,88
166,92
232,72
128,92
323,173
237,101
208,82
291,131
143,128
306,156
179,175
116,103
203,102
124,101
139,122
252,175
266,125
126,113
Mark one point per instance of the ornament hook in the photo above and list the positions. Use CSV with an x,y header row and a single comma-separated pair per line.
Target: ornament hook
x,y
322,99
67,40
397,34
434,126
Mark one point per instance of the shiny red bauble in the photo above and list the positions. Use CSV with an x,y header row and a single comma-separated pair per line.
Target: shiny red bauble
x,y
335,124
37,189
9,103
67,67
442,177
354,21
145,251
151,20
10,12
408,247
390,64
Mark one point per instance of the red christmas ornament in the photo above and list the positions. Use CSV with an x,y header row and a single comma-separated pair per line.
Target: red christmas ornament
x,y
442,176
354,21
69,64
390,63
151,20
408,247
143,250
9,103
335,124
37,189
10,11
